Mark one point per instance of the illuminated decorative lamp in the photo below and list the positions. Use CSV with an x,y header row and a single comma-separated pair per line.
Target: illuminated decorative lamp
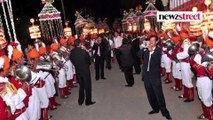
x,y
147,25
134,27
100,27
168,26
129,28
95,31
67,30
50,22
34,30
207,3
195,25
100,31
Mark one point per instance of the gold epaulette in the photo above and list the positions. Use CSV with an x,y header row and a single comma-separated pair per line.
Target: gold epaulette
x,y
3,89
12,88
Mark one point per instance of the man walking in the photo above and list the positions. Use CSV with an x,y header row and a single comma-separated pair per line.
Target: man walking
x,y
81,60
118,43
152,78
127,62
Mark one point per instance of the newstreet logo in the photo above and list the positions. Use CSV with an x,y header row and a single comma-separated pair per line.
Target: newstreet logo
x,y
179,16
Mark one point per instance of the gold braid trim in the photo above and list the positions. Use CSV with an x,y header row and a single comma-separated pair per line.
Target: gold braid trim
x,y
12,88
3,91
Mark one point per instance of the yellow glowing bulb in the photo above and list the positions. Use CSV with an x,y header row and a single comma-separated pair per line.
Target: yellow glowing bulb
x,y
207,2
194,9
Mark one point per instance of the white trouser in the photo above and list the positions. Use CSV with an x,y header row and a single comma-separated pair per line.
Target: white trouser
x,y
186,74
62,82
167,63
49,83
34,108
42,93
176,71
23,116
69,70
204,88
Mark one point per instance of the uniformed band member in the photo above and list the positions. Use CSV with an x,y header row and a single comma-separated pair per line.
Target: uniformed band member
x,y
185,67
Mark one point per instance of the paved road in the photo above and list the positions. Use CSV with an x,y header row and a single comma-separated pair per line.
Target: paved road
x,y
116,102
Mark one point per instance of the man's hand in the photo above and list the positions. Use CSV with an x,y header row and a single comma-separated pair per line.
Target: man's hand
x,y
9,113
24,86
150,48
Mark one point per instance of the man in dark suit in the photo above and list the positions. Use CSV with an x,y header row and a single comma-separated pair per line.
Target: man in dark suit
x,y
152,78
136,48
99,55
81,60
127,62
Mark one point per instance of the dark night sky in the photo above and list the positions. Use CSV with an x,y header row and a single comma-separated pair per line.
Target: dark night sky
x,y
26,9
97,8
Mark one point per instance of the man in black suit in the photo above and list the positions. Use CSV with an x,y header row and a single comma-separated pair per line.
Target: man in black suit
x,y
81,60
136,48
152,78
127,62
99,55
107,52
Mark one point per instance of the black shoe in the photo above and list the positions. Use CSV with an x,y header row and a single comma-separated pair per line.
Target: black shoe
x,y
79,103
97,79
91,103
168,117
137,73
103,78
153,112
188,101
128,85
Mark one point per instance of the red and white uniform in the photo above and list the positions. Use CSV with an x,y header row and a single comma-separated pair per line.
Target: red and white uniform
x,y
204,86
186,72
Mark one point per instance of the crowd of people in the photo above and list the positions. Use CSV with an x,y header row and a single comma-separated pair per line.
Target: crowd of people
x,y
52,69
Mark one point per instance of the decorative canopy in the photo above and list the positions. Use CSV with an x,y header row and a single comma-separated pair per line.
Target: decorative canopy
x,y
49,12
80,21
150,11
50,22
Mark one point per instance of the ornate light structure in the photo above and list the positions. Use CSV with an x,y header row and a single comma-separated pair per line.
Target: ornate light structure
x,y
147,25
34,30
67,30
207,23
50,22
195,25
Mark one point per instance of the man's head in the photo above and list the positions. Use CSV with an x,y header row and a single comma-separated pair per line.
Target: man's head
x,y
125,41
77,43
153,41
116,34
99,40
